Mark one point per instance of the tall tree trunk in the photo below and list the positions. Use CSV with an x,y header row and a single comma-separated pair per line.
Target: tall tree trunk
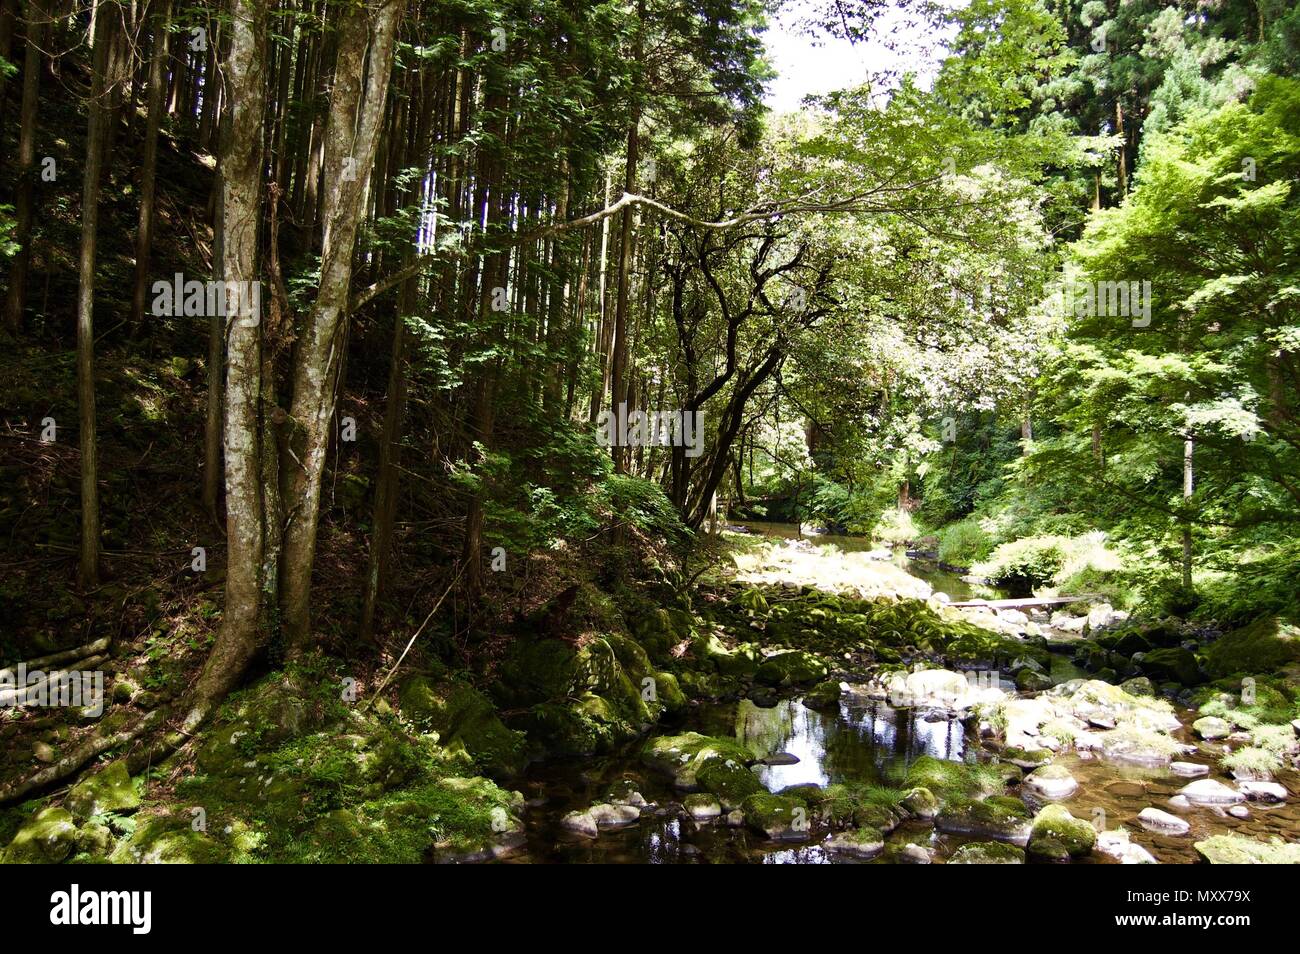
x,y
242,623
366,43
1189,485
103,76
149,167
24,200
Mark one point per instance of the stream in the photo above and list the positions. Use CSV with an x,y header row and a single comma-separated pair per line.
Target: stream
x,y
865,741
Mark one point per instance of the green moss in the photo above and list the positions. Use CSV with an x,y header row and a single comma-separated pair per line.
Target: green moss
x,y
170,840
1252,761
108,790
1235,850
1057,835
987,853
1266,645
681,756
953,780
999,817
777,817
728,779
48,836
795,668
824,696
459,712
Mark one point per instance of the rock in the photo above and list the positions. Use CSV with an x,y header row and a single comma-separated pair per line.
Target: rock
x,y
580,823
1116,843
1180,803
459,712
1026,758
1262,791
796,668
1051,781
1170,665
608,817
1138,686
108,790
729,780
936,689
44,752
681,756
1067,623
921,803
1207,791
780,758
95,840
169,840
824,697
1235,850
1295,726
1211,728
997,817
1162,821
778,817
856,842
987,853
1057,835
1029,681
1266,645
702,807
1100,615
47,837
1189,769
735,819
911,854
1012,616
1239,811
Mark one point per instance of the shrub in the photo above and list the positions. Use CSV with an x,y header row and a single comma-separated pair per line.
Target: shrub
x,y
964,543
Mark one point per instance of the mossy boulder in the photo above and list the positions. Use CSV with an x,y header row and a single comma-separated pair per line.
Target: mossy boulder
x,y
824,697
1267,645
711,654
859,843
729,780
108,790
169,840
795,668
47,837
1170,665
987,853
920,802
1235,850
998,817
459,712
682,756
777,817
1059,836
953,781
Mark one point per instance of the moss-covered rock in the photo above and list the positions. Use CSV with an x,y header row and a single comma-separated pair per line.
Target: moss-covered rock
x,y
47,837
999,817
1235,850
795,668
681,756
459,712
1173,664
862,843
108,790
920,802
949,781
702,806
987,853
169,840
824,697
777,817
1266,645
1058,836
729,780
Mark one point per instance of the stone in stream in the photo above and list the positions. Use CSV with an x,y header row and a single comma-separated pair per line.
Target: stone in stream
x,y
614,816
910,854
1239,811
1207,791
1235,850
778,817
702,807
1263,791
997,817
921,803
1051,781
1162,821
1058,836
987,853
1211,728
1116,844
1180,802
1189,769
780,758
856,843
580,823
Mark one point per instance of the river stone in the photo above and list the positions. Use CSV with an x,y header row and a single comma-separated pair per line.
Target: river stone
x,y
1180,802
987,853
911,854
1207,791
921,803
1211,728
1158,820
997,817
856,842
1051,781
614,816
1189,769
779,817
580,823
702,807
1239,811
796,668
1295,726
108,790
1029,681
1263,791
1117,844
1235,850
780,758
1058,836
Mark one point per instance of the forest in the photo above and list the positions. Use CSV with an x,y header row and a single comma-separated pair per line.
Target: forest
x,y
617,431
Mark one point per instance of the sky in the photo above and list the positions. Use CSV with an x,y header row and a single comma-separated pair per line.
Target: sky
x,y
809,66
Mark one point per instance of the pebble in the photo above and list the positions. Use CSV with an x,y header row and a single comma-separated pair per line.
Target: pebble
x,y
1239,811
1207,791
781,758
1189,769
1158,820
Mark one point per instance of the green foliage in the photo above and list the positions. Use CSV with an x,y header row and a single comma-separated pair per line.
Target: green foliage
x,y
964,543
